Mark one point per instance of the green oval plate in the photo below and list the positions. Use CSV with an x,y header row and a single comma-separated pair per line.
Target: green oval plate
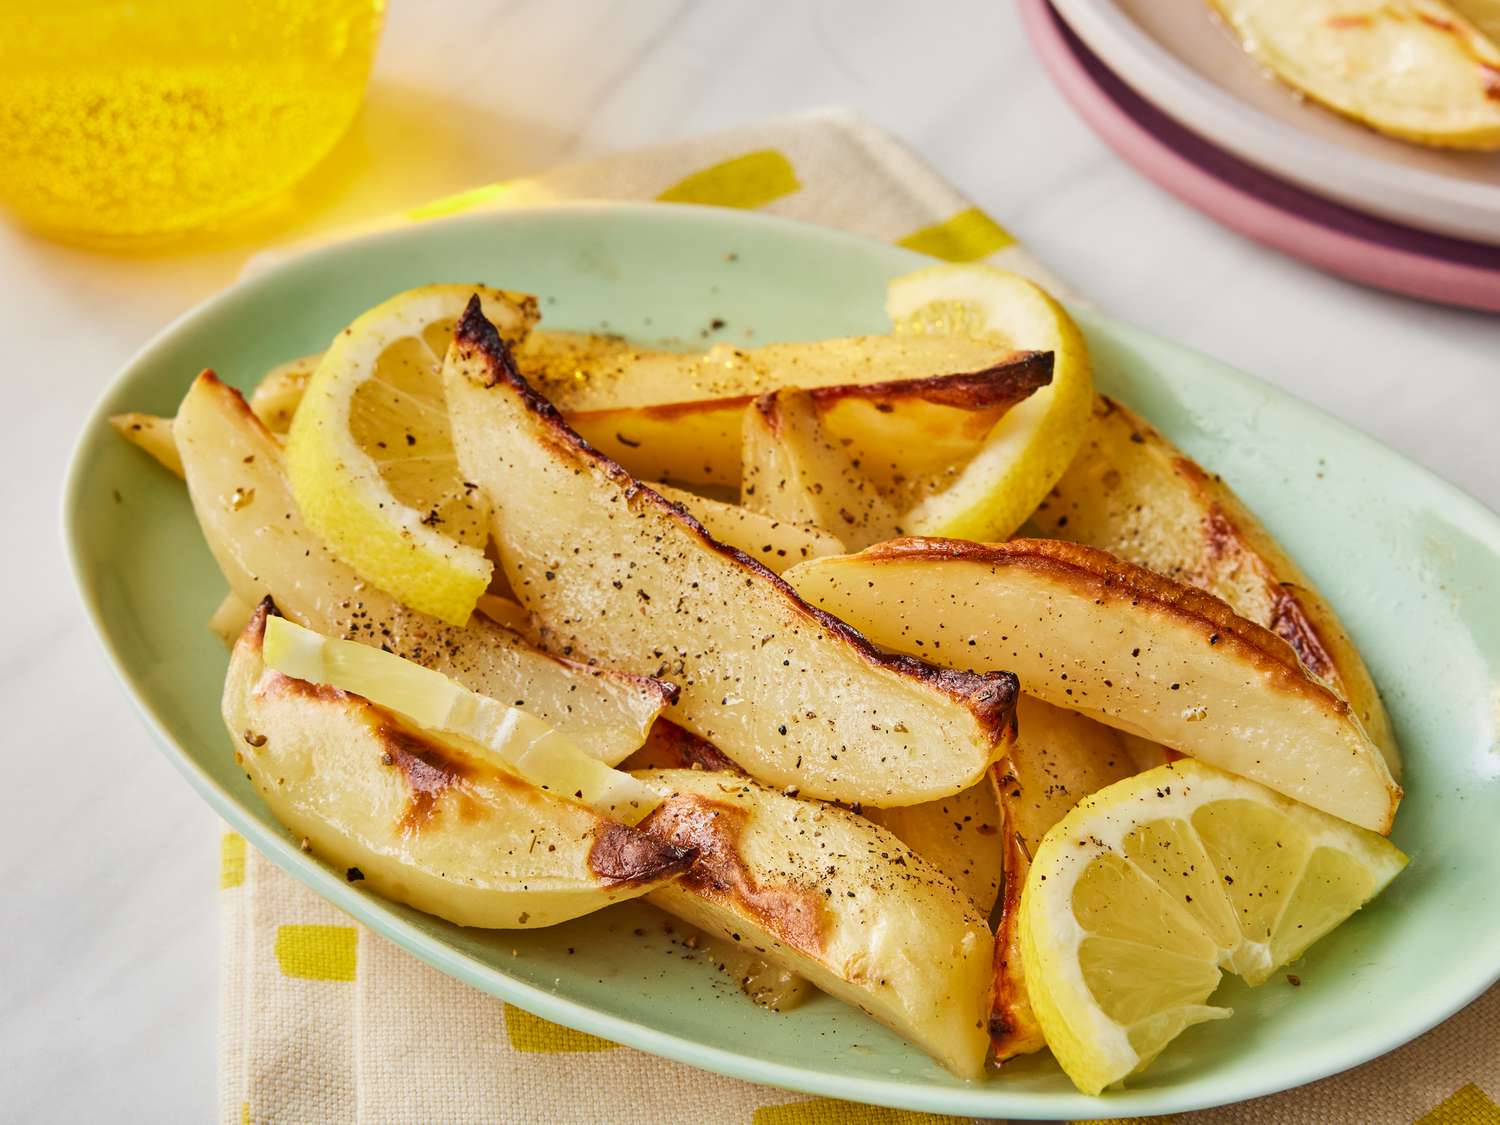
x,y
1412,565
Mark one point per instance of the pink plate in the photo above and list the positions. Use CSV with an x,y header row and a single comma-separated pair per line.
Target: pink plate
x,y
1324,234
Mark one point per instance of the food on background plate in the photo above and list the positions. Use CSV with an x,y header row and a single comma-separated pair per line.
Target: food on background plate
x,y
427,820
1483,14
826,811
1414,69
1140,898
615,573
1134,494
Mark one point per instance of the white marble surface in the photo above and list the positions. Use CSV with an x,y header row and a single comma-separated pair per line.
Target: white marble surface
x,y
107,976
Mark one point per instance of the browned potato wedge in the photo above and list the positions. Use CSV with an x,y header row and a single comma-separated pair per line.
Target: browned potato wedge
x,y
613,571
959,835
835,898
913,435
1132,493
795,470
428,822
771,540
151,433
280,390
245,507
640,377
1059,757
1120,644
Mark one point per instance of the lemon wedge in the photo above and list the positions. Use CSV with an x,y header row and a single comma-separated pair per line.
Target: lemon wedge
x,y
1028,449
370,457
1140,898
519,742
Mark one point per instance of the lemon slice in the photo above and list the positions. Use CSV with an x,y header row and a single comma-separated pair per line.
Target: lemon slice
x,y
370,456
1141,897
520,742
1032,444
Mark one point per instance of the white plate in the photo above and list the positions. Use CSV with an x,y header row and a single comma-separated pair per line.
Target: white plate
x,y
1177,55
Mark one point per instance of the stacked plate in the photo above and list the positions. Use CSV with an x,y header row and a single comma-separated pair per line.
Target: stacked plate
x,y
1168,87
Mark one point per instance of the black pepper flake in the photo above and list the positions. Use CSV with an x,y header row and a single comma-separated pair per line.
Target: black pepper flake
x,y
354,875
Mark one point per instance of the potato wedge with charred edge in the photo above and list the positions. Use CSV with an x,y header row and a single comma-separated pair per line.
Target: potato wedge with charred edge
x,y
1059,757
959,835
913,435
1132,493
795,470
835,898
614,572
642,377
250,521
429,822
774,542
1120,644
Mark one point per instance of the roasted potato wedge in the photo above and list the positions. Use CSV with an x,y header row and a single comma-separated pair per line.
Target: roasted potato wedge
x,y
914,435
774,542
280,390
640,377
233,466
1134,494
152,434
613,571
959,835
1059,757
795,470
835,898
1123,645
425,821
1414,69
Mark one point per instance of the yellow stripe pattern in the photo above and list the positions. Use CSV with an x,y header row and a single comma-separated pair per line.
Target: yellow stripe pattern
x,y
537,1036
231,860
1469,1105
748,181
827,1111
317,952
966,237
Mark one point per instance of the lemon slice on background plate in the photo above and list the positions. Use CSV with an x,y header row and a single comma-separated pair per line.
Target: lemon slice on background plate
x,y
1030,447
1140,898
370,457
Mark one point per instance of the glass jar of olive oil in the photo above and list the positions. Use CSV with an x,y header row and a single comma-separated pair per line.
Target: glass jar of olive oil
x,y
124,122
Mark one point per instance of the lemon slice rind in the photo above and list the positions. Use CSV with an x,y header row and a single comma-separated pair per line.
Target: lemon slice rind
x,y
341,488
1188,945
1033,443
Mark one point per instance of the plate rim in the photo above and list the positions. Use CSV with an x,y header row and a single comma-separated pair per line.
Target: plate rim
x,y
1355,179
974,1099
1337,250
